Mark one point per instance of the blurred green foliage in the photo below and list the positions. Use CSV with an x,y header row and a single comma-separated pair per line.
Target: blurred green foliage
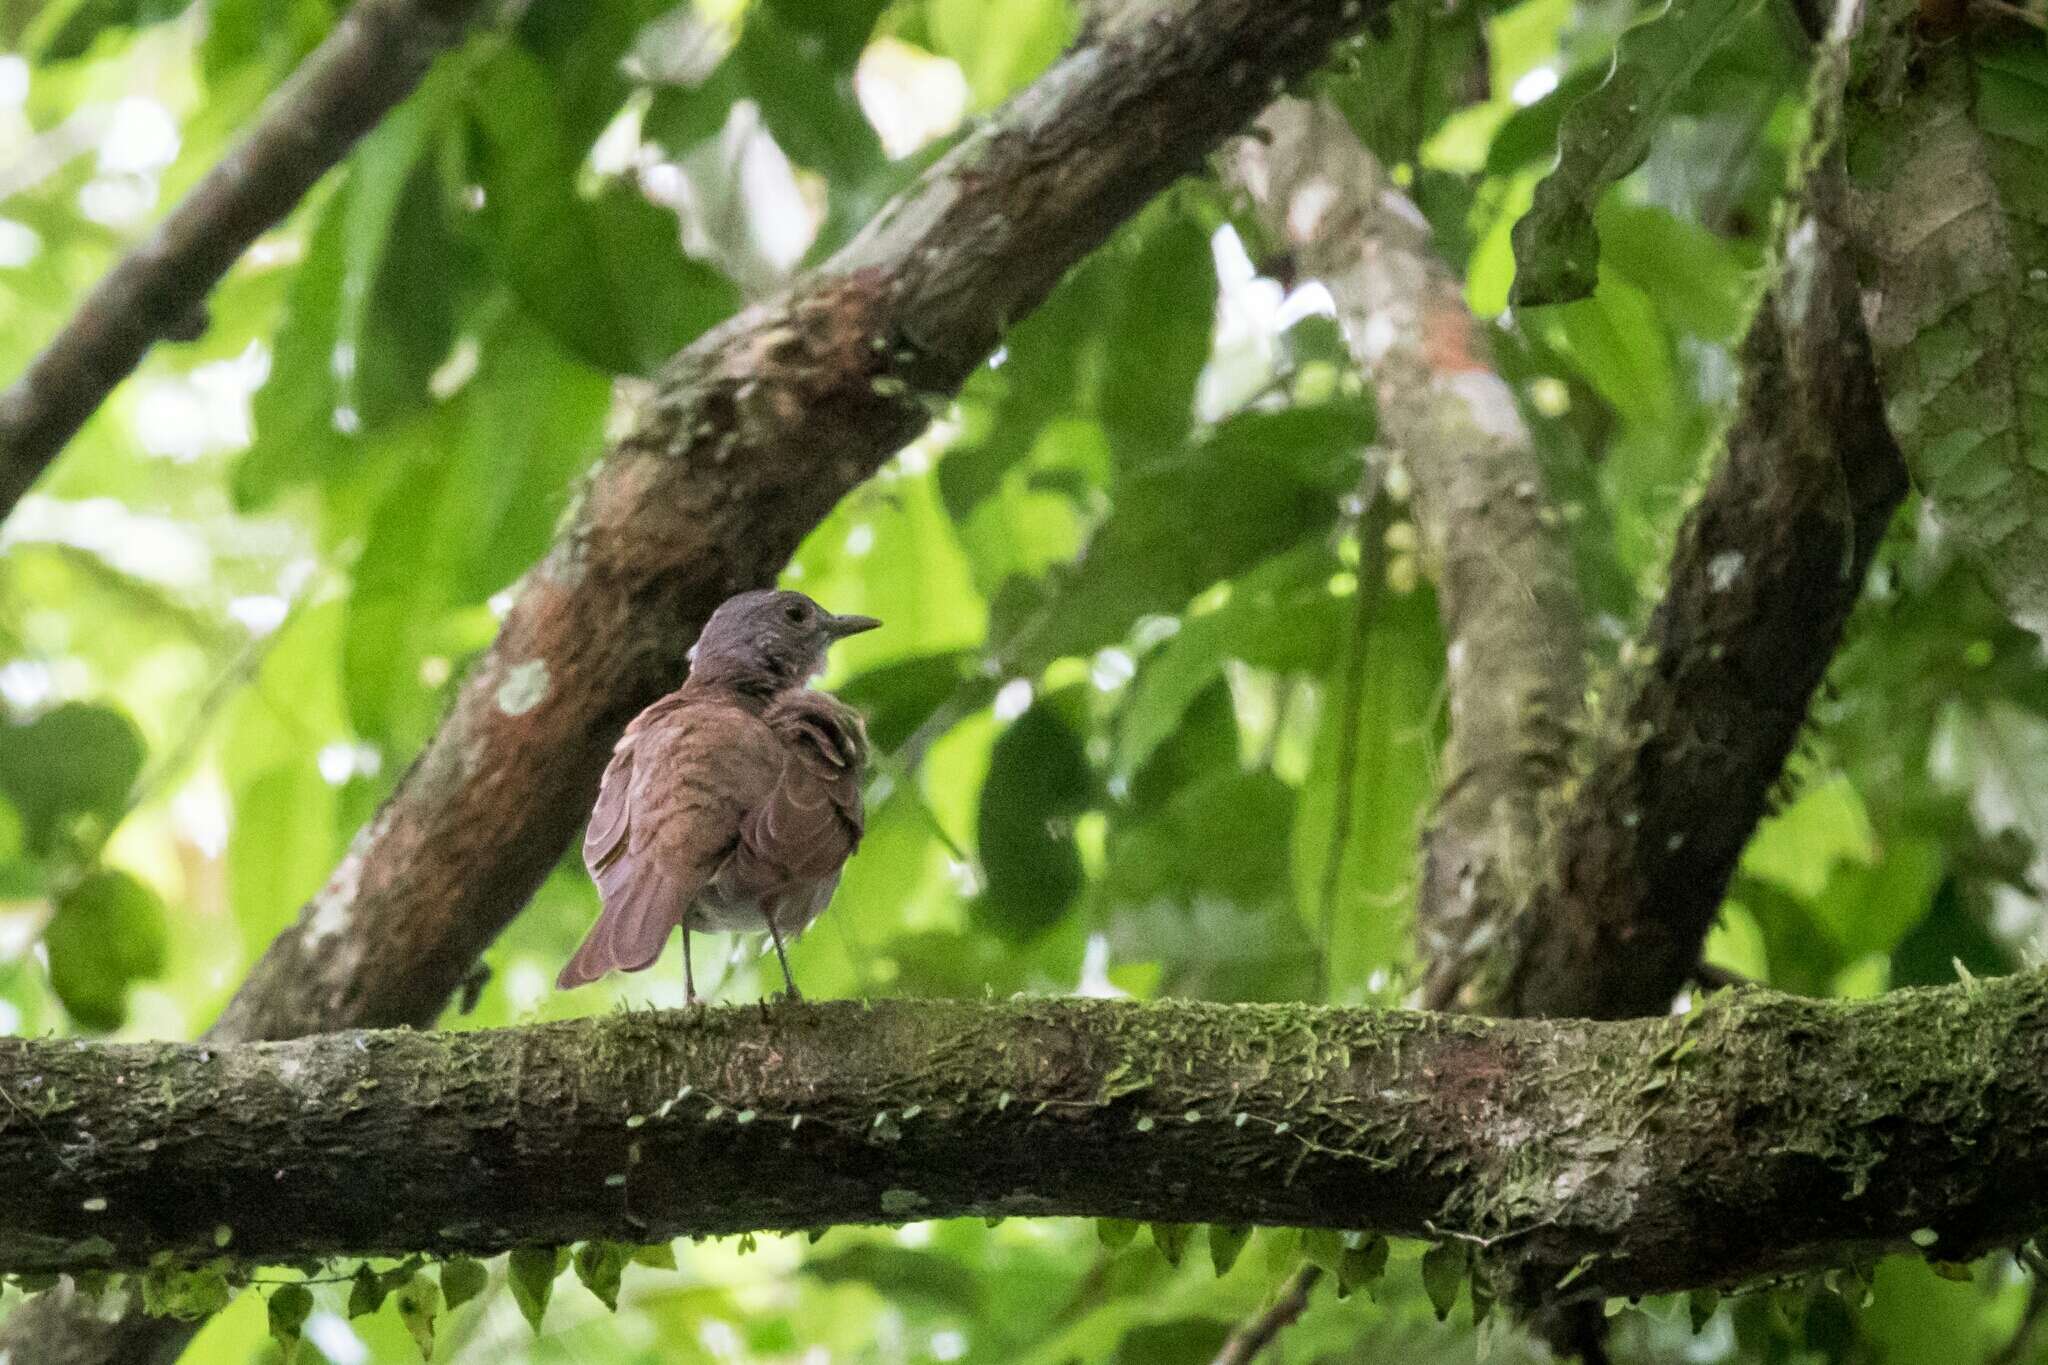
x,y
1124,577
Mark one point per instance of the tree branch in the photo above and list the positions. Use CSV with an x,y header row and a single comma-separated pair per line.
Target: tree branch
x,y
1768,565
1506,587
373,59
1243,1346
1641,1157
751,435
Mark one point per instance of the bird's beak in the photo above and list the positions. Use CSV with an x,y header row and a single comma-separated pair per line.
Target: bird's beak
x,y
839,627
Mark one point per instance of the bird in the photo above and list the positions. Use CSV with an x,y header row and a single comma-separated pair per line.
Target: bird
x,y
732,803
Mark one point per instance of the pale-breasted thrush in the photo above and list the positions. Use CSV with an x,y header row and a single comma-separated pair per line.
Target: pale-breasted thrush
x,y
731,803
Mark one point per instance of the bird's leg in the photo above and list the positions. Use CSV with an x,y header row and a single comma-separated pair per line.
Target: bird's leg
x,y
783,957
689,978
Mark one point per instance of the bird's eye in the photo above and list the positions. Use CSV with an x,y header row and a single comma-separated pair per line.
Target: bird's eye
x,y
795,612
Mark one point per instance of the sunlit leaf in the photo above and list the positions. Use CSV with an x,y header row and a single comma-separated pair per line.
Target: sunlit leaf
x,y
1038,781
74,762
1605,136
107,933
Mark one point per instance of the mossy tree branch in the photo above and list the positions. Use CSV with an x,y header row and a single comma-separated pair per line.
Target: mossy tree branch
x,y
1764,1134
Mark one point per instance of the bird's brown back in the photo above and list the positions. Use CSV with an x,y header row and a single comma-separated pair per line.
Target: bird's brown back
x,y
724,808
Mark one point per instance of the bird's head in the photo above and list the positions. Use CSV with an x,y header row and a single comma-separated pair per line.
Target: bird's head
x,y
769,639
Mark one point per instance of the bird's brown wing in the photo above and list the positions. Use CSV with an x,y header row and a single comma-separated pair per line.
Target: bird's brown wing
x,y
793,844
667,817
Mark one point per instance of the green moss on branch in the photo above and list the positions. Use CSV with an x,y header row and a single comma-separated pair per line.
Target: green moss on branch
x,y
1764,1134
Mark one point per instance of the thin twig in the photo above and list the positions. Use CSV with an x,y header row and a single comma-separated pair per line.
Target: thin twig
x,y
1243,1346
371,60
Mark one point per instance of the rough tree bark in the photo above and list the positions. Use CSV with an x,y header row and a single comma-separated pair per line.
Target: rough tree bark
x,y
372,60
750,437
1768,565
1640,1157
1506,587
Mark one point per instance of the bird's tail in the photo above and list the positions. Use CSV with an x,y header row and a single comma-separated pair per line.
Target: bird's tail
x,y
639,911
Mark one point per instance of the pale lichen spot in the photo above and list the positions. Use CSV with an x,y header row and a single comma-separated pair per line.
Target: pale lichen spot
x,y
1723,569
1378,336
1489,402
525,687
330,915
1306,207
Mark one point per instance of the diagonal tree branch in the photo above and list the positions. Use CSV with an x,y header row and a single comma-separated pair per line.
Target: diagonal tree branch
x,y
1768,565
1506,589
1628,1158
373,59
749,438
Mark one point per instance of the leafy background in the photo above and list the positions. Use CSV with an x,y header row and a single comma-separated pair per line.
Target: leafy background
x,y
1124,578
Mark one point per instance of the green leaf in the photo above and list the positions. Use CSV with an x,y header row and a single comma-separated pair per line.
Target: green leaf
x,y
370,314
419,1303
1259,483
1158,340
999,50
1395,744
1115,1233
532,1272
1422,64
1361,1266
1529,135
1605,136
1174,1342
1280,616
76,761
599,1265
1226,1242
1047,359
898,697
490,472
655,1255
903,1275
1443,1270
1171,1239
288,1308
189,1293
1323,1247
840,27
367,1291
1701,1305
1038,781
1203,887
1708,298
462,1279
606,274
1957,236
108,933
1952,932
67,29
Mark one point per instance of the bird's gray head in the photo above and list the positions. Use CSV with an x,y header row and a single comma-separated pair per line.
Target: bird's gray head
x,y
768,640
